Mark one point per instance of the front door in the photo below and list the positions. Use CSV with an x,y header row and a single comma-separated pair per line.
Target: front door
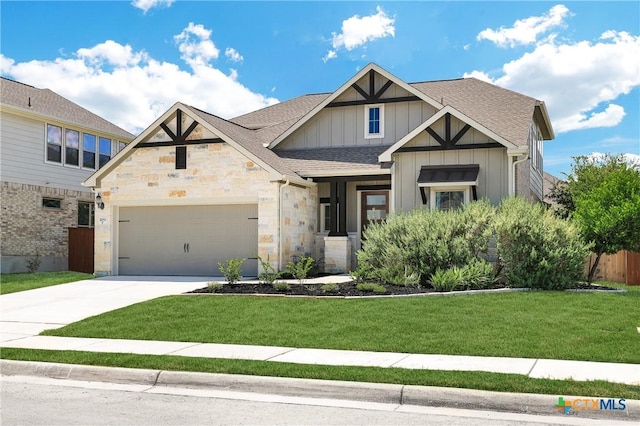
x,y
375,207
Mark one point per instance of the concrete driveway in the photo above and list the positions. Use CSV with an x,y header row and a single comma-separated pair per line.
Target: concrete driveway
x,y
27,313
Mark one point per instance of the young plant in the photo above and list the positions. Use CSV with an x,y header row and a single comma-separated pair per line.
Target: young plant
x,y
269,273
33,263
447,279
371,288
231,270
215,286
329,288
300,269
282,286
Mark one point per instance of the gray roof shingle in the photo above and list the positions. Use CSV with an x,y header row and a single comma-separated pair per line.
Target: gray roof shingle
x,y
48,103
310,161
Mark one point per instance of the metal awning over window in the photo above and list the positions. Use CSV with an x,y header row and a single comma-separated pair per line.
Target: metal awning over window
x,y
463,174
448,176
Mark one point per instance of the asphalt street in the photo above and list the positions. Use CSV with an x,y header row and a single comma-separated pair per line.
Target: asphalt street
x,y
38,401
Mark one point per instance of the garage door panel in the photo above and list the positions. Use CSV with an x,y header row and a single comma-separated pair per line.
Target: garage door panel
x,y
187,240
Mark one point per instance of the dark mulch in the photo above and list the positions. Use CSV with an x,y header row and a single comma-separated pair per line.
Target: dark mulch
x,y
344,289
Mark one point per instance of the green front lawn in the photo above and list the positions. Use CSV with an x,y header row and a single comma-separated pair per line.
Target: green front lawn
x,y
11,283
559,325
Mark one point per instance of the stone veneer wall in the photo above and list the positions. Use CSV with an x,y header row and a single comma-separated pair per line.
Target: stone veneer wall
x,y
215,174
300,210
29,229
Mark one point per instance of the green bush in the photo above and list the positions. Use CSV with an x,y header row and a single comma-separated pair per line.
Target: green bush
x,y
478,274
269,273
215,286
231,270
371,288
33,263
329,288
417,243
447,279
300,268
281,286
536,248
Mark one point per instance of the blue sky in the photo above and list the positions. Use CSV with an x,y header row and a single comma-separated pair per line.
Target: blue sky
x,y
130,61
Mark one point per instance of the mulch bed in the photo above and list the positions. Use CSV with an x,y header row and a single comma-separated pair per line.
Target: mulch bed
x,y
344,289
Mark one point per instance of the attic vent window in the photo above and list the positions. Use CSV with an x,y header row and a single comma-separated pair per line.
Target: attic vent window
x,y
374,121
181,157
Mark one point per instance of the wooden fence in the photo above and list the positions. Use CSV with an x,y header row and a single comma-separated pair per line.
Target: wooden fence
x,y
622,267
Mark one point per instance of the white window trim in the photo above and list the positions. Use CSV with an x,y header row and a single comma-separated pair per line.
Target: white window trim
x,y
323,216
436,188
368,135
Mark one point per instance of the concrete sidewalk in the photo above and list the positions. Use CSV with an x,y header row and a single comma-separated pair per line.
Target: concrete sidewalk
x,y
536,368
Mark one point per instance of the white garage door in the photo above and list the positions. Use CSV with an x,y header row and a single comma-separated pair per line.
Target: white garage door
x,y
187,240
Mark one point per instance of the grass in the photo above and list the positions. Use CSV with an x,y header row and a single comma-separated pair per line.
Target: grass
x,y
558,325
457,379
11,283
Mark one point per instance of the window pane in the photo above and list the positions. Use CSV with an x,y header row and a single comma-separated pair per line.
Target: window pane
x,y
327,217
54,143
448,200
105,151
89,151
374,120
85,214
51,203
376,200
72,143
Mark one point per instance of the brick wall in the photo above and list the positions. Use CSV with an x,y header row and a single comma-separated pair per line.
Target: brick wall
x,y
28,229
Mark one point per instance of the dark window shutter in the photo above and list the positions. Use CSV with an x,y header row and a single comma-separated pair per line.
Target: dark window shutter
x,y
181,157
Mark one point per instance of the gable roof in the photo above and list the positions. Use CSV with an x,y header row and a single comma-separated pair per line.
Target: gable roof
x,y
49,105
505,112
370,67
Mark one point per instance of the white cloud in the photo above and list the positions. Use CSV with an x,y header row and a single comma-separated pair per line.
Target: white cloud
x,y
526,31
132,89
145,5
233,54
357,31
578,81
631,159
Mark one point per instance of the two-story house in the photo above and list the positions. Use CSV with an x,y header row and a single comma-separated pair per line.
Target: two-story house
x,y
48,147
306,176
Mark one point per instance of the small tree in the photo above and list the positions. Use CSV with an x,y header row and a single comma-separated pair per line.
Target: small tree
x,y
602,194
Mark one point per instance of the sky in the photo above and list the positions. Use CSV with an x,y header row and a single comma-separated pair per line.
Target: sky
x,y
129,61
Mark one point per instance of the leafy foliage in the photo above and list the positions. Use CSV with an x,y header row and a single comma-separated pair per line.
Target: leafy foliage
x,y
409,247
301,267
478,274
447,279
371,288
269,273
329,288
536,248
282,286
33,263
215,286
231,271
602,194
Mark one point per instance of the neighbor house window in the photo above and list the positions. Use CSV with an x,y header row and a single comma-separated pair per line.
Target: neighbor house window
x,y
54,143
374,121
105,151
89,151
85,214
71,147
52,203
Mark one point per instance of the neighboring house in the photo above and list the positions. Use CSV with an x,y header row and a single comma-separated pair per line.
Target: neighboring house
x,y
48,147
549,183
306,176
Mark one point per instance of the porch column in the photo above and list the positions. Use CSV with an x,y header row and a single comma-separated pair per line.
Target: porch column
x,y
338,207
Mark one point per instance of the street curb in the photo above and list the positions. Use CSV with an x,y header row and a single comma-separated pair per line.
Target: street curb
x,y
327,389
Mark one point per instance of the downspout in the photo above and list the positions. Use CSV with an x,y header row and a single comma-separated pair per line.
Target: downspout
x,y
512,172
280,219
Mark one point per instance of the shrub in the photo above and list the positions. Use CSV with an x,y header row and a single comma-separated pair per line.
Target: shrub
x,y
269,273
214,286
371,288
421,241
329,288
447,279
300,268
231,270
281,286
478,274
33,263
536,248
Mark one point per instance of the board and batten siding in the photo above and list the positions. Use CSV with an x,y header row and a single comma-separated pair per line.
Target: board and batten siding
x,y
492,177
23,156
345,125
